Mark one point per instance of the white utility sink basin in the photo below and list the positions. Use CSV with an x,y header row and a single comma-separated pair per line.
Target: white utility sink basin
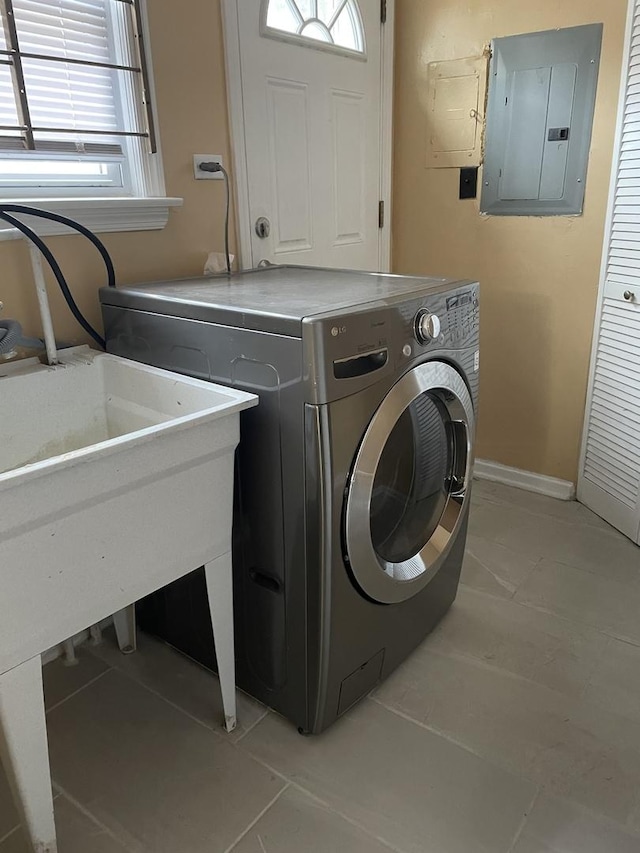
x,y
94,404
115,479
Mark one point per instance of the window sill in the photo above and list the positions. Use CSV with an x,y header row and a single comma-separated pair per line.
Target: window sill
x,y
97,214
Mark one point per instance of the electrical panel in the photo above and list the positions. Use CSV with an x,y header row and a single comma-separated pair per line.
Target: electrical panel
x,y
542,89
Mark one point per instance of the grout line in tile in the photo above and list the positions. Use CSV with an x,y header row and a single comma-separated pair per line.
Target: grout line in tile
x,y
10,833
209,727
90,816
596,664
179,652
626,640
497,579
635,644
582,625
550,554
260,814
252,726
18,825
525,818
79,690
449,738
291,783
627,827
345,815
482,664
529,516
348,818
496,500
633,584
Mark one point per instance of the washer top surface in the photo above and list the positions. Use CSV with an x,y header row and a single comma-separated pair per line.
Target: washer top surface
x,y
274,299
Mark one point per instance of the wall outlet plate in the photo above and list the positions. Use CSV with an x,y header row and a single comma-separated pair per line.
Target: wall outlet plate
x,y
207,176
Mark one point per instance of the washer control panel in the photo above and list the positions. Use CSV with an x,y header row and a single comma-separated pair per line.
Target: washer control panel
x,y
361,346
462,314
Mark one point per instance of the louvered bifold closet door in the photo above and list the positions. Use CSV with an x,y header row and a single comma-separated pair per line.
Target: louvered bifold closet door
x,y
609,480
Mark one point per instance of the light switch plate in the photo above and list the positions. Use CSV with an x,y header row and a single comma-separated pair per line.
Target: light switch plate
x,y
207,176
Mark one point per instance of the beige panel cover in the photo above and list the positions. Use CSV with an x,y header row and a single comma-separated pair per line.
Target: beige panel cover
x,y
455,112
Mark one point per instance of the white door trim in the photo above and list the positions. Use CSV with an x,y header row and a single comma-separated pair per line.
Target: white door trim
x,y
231,30
386,134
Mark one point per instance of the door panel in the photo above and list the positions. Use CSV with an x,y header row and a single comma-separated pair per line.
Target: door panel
x,y
609,477
349,167
610,473
312,135
290,166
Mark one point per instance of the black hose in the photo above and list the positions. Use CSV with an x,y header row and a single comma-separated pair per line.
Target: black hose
x,y
226,219
71,223
55,268
214,166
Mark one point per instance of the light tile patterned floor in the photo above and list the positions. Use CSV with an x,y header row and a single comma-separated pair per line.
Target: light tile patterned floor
x,y
514,728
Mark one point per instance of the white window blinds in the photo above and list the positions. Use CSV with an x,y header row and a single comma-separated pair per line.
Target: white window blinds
x,y
65,67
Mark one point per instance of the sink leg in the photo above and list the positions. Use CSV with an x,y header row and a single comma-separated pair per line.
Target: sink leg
x,y
220,593
70,657
24,754
125,624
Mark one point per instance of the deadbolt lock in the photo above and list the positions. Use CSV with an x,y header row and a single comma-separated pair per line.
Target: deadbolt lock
x,y
263,227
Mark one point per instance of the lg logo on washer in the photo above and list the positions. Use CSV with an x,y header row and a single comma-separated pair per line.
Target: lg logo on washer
x,y
338,330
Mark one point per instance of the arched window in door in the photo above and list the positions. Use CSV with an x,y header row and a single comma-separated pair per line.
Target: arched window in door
x,y
330,24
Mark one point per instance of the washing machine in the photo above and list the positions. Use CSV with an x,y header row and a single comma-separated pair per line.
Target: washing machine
x,y
353,474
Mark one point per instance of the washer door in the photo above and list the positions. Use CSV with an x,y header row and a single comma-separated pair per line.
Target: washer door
x,y
408,484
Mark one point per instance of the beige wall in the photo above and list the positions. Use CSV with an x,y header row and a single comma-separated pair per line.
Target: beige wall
x,y
539,275
190,87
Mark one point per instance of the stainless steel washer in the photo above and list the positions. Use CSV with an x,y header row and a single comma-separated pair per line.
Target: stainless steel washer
x,y
353,473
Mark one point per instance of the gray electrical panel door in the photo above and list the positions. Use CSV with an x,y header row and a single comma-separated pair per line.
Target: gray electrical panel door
x,y
542,89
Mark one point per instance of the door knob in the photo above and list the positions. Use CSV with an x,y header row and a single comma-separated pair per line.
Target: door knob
x,y
263,227
629,295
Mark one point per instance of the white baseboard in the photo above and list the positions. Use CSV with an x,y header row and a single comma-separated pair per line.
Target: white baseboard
x,y
528,480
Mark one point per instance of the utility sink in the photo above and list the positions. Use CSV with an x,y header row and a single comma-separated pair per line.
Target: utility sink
x,y
115,479
94,404
113,475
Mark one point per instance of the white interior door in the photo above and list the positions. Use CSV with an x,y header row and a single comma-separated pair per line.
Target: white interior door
x,y
610,473
311,95
609,479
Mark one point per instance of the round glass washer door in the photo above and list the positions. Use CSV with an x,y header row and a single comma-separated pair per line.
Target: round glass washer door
x,y
408,484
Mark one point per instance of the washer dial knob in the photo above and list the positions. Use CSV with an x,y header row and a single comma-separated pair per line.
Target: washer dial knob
x,y
427,327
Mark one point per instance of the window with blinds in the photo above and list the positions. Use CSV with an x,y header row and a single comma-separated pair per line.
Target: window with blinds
x,y
74,102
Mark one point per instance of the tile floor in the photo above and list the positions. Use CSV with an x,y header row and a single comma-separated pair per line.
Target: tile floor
x,y
515,727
